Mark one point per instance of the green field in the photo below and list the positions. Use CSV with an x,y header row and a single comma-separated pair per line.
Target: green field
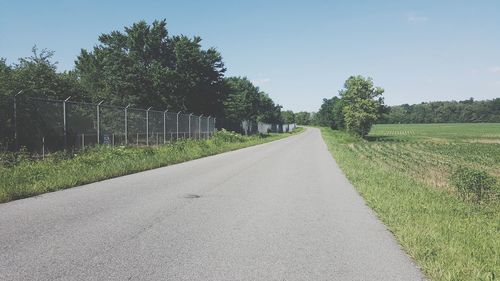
x,y
429,152
403,172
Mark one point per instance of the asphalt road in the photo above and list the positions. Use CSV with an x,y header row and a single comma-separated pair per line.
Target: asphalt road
x,y
278,211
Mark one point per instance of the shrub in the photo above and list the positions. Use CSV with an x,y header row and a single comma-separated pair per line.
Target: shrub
x,y
227,136
472,182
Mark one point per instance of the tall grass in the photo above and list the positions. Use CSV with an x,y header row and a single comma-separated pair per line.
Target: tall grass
x,y
24,177
399,177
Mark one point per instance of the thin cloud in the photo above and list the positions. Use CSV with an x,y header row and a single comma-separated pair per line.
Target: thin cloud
x,y
413,18
261,81
494,69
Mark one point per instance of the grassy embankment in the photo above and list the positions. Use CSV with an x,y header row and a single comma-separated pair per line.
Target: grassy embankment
x,y
25,177
403,173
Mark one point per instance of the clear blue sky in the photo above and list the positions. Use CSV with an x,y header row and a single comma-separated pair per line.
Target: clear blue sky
x,y
297,51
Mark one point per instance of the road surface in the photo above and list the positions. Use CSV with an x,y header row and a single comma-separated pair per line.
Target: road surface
x,y
278,211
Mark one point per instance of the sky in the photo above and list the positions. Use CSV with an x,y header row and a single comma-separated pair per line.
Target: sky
x,y
298,52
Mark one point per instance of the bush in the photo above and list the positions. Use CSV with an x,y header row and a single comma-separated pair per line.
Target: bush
x,y
472,182
227,136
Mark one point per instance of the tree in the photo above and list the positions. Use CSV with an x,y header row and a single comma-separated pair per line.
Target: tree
x,y
288,117
36,76
245,101
331,113
143,66
268,111
303,118
323,117
465,111
363,104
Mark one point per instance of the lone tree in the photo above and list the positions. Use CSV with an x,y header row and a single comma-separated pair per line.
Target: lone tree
x,y
363,104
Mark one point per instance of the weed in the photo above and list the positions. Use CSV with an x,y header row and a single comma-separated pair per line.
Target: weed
x,y
471,182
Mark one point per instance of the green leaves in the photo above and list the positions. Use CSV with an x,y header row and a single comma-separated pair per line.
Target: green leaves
x,y
465,111
145,67
363,104
246,102
359,106
471,182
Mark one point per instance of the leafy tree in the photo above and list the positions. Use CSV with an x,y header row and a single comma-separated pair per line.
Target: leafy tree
x,y
145,67
331,113
268,111
243,99
288,117
36,76
142,66
363,104
303,118
323,117
246,102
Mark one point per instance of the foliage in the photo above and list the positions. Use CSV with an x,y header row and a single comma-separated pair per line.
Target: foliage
x,y
303,118
466,111
323,116
246,102
403,174
358,106
288,117
362,104
228,136
144,66
472,182
330,114
36,76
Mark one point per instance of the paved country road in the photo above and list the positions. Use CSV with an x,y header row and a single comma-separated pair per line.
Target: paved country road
x,y
278,211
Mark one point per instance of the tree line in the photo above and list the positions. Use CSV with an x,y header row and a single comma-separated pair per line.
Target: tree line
x,y
465,111
336,110
142,66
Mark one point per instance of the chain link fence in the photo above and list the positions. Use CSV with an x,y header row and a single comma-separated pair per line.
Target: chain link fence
x,y
44,125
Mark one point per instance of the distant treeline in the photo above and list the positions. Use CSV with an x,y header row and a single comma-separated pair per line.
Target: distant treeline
x,y
466,111
142,66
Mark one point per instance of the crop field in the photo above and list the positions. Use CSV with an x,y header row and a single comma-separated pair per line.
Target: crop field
x,y
430,152
403,172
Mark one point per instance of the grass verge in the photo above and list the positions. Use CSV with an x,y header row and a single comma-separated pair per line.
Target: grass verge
x,y
449,238
59,171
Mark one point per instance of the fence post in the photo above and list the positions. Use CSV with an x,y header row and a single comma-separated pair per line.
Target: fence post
x,y
16,142
215,119
178,124
190,124
43,147
98,121
208,126
199,126
147,126
126,125
165,126
64,123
